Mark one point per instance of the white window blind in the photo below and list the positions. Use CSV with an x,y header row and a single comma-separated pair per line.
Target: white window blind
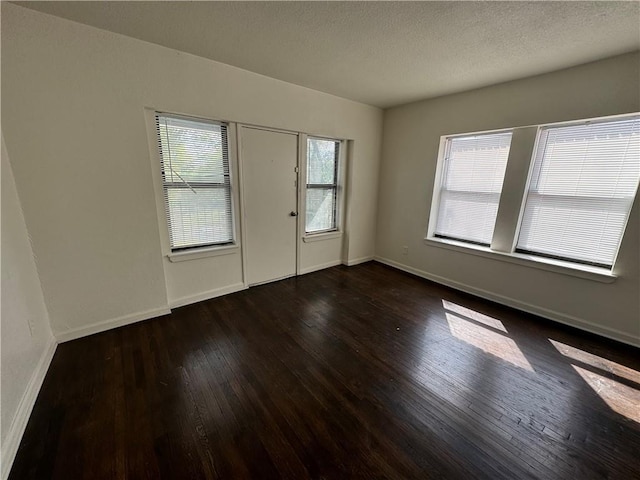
x,y
196,180
584,179
322,185
473,172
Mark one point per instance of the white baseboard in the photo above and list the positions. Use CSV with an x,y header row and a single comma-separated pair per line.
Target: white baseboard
x,y
315,268
146,315
570,320
23,412
109,324
218,292
358,261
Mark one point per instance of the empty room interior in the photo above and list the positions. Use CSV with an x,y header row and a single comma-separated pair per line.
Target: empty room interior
x,y
321,240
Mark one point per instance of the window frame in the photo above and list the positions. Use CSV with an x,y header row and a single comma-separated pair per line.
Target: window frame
x,y
441,171
176,254
541,129
504,248
336,229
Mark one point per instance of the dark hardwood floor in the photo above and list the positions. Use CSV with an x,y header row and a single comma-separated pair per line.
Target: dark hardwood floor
x,y
351,372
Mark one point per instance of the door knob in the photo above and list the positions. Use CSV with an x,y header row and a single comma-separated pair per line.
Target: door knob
x,y
293,214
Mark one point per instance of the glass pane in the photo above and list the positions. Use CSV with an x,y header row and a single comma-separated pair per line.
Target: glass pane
x,y
322,160
477,163
199,217
321,212
468,216
574,228
474,170
193,151
593,160
584,180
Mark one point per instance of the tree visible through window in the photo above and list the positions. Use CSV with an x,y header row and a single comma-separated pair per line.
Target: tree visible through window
x,y
322,185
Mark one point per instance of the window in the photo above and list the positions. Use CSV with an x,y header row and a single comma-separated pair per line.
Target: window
x,y
583,183
322,185
473,170
196,181
564,207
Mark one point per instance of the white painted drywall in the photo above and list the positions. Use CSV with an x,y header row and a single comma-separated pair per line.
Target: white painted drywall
x,y
410,148
74,120
27,342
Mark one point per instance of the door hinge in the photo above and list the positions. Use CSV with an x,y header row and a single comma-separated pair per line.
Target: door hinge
x,y
296,169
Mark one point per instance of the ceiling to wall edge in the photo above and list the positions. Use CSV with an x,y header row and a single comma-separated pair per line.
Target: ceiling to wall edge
x,y
418,99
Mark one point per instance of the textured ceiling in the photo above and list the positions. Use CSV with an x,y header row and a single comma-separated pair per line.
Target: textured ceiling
x,y
380,53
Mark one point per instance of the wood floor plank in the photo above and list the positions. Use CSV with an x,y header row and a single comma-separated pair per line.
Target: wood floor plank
x,y
350,372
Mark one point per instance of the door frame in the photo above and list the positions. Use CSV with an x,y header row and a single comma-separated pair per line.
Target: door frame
x,y
241,177
301,200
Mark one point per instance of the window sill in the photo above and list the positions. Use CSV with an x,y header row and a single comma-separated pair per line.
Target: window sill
x,y
316,237
558,266
202,253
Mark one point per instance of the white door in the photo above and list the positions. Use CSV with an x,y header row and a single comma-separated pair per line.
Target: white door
x,y
269,177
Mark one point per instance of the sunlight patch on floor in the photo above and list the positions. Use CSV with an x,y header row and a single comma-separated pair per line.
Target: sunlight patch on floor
x,y
596,361
622,396
488,340
473,315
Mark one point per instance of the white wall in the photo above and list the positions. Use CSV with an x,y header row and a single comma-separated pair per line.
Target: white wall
x,y
74,120
27,342
73,112
409,155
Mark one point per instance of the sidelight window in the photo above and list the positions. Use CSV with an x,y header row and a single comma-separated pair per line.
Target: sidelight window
x,y
322,185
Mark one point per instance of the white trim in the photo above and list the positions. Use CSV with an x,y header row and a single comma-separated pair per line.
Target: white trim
x,y
217,292
317,237
347,205
301,198
182,256
25,407
435,196
524,142
561,122
271,280
483,132
232,144
315,268
570,320
241,199
558,266
110,324
606,118
156,175
358,261
268,129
